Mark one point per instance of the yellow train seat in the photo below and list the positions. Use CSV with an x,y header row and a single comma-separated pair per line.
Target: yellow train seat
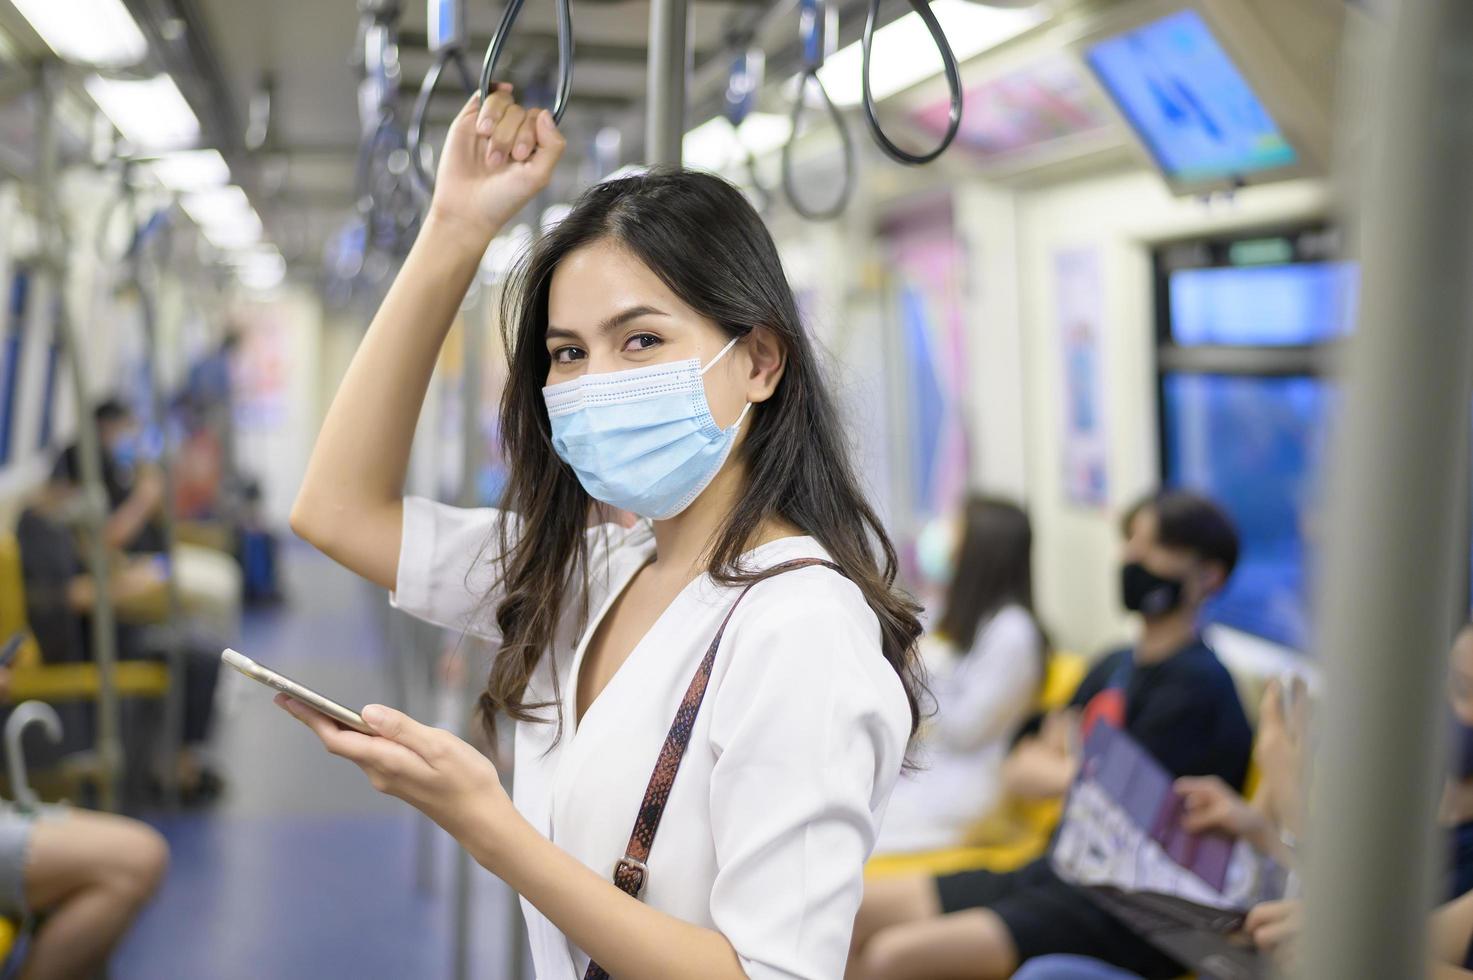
x,y
33,680
1018,830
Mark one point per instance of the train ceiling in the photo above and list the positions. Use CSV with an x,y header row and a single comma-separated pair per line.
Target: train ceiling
x,y
224,53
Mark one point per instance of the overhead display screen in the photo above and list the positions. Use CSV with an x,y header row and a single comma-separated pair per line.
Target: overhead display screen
x,y
1188,102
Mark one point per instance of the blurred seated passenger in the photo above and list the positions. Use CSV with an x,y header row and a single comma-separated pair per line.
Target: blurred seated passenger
x,y
1169,692
1272,820
86,875
256,550
135,486
1450,945
1279,752
61,593
208,580
1269,823
199,463
985,664
1457,801
1451,940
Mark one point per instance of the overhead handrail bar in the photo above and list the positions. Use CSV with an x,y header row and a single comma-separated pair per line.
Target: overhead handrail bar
x,y
922,10
742,88
495,49
813,28
447,40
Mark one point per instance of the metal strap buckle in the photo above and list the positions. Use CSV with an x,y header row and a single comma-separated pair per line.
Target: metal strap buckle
x,y
636,867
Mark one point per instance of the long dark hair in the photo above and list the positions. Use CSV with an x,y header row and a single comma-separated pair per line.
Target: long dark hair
x,y
994,568
701,237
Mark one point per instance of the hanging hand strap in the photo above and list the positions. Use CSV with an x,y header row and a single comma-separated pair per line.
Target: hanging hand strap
x,y
630,872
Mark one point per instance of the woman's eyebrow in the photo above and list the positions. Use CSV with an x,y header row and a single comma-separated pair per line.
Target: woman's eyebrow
x,y
608,326
633,313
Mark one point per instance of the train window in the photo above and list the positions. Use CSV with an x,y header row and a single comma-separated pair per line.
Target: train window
x,y
1270,305
1254,444
1244,323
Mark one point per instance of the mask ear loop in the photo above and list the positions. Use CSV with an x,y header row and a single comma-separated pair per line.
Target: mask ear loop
x,y
712,364
719,356
738,423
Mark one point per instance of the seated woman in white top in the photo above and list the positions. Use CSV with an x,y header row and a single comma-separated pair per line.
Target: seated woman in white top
x,y
657,365
985,663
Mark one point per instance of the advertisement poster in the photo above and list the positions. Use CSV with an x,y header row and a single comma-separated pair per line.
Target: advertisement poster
x,y
262,370
928,263
1047,102
1079,305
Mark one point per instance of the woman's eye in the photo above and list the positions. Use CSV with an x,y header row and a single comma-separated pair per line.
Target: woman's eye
x,y
567,355
642,341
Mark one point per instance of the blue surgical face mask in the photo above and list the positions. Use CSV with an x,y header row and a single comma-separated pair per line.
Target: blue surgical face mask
x,y
936,551
641,440
125,450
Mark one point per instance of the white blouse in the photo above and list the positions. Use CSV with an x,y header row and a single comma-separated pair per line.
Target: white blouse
x,y
982,699
796,747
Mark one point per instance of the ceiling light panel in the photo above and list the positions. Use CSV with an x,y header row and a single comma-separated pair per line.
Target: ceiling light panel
x,y
92,32
151,113
904,53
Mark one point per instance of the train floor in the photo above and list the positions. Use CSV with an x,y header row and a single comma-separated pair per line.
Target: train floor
x,y
301,870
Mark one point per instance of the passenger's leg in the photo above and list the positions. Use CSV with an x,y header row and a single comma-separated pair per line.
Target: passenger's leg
x,y
92,874
201,679
893,901
970,945
898,903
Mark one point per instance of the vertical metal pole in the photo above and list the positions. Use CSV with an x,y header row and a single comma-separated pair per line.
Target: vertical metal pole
x,y
1389,561
89,454
416,676
460,925
473,328
669,61
174,707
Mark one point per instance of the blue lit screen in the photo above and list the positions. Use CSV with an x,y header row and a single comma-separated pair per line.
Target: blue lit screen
x,y
1267,306
1255,445
1188,101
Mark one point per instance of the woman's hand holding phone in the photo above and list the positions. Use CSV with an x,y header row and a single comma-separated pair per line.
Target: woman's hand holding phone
x,y
431,769
498,156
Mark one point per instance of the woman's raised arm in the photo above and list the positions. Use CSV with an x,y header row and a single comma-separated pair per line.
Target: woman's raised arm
x,y
497,157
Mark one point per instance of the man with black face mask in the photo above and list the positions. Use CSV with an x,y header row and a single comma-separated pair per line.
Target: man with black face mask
x,y
1168,691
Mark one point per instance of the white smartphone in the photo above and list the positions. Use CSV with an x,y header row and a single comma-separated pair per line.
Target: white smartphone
x,y
343,716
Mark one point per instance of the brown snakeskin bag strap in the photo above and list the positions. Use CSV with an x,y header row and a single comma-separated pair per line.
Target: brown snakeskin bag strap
x,y
630,872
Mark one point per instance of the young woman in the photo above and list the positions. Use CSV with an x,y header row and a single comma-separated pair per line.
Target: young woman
x,y
985,664
657,366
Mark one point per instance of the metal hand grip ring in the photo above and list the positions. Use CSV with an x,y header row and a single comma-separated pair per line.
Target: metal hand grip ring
x,y
811,28
789,186
564,52
953,82
423,176
368,157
